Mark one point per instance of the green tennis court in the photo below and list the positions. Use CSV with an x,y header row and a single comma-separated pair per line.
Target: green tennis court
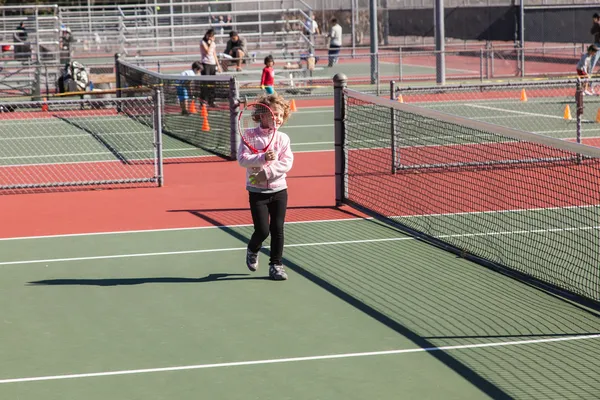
x,y
367,313
310,129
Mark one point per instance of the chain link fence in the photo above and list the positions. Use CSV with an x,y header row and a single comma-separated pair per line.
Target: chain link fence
x,y
80,143
565,109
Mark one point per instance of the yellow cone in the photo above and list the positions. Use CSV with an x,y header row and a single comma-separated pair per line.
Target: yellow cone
x,y
567,114
523,95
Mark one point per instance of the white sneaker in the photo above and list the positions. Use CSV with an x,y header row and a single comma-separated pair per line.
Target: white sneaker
x,y
251,260
277,273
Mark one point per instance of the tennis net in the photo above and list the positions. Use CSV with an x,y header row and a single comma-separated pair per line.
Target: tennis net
x,y
523,203
91,143
208,118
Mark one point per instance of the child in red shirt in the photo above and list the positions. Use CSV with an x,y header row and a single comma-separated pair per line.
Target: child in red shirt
x,y
268,76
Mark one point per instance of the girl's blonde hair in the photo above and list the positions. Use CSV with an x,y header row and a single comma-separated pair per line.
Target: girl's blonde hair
x,y
274,101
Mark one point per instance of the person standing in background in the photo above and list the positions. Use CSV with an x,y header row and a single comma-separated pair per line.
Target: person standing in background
x,y
596,32
22,48
210,65
335,37
267,81
312,27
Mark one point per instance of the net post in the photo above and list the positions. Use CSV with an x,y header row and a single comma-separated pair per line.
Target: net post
x,y
118,80
579,102
158,149
117,74
339,84
234,111
393,126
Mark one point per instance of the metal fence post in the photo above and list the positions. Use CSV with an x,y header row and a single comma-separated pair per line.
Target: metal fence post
x,y
373,39
339,107
37,82
522,34
400,63
393,126
234,111
377,87
481,65
158,147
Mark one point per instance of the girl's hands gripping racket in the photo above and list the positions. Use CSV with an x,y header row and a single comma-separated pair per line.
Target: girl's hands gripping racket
x,y
257,127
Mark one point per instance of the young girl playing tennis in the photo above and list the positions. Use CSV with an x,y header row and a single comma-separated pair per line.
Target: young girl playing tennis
x,y
266,183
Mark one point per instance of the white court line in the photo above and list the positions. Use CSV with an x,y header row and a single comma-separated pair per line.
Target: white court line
x,y
193,228
454,103
311,143
54,156
572,131
172,253
306,126
434,68
501,117
513,111
361,241
323,110
87,135
514,210
88,154
297,359
316,108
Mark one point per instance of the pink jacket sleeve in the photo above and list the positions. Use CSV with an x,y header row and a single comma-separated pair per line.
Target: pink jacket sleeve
x,y
283,164
247,159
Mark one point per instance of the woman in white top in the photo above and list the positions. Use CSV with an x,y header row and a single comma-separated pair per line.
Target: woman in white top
x,y
210,64
335,37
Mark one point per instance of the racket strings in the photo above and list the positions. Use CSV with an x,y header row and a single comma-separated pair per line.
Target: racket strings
x,y
257,126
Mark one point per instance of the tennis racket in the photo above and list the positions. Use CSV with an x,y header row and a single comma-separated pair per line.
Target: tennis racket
x,y
257,127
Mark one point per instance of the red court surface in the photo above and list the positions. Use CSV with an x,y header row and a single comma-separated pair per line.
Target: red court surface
x,y
188,187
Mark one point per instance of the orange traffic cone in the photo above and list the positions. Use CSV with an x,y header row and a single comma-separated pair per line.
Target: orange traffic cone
x,y
598,116
205,125
293,106
193,107
523,95
44,104
400,99
204,111
567,114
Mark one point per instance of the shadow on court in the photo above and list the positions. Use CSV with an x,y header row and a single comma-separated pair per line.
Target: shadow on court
x,y
459,367
141,281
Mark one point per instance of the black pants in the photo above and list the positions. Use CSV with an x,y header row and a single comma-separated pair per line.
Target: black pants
x,y
265,207
207,92
333,54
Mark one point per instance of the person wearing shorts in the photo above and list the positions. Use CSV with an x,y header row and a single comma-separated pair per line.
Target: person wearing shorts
x,y
584,67
267,81
183,90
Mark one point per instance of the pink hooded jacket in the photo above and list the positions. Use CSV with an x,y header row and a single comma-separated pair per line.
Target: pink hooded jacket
x,y
276,170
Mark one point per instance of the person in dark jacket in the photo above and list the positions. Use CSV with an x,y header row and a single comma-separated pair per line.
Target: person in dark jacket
x,y
236,48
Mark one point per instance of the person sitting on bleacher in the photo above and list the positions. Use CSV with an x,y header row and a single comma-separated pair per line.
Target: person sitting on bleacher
x,y
22,47
236,48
